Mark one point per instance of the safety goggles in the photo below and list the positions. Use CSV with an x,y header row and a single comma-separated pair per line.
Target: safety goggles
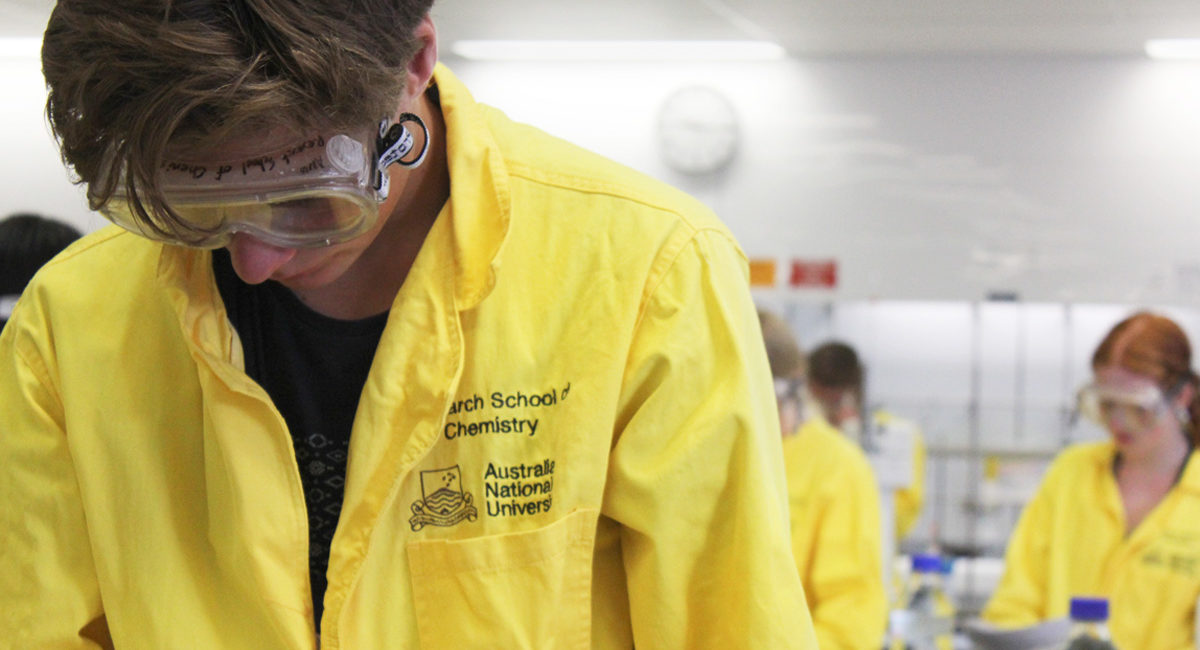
x,y
791,398
789,390
1133,408
321,191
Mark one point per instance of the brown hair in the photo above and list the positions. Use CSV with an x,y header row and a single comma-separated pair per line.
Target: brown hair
x,y
128,78
1155,346
783,353
836,365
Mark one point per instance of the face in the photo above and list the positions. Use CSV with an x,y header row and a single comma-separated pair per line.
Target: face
x,y
257,261
313,268
837,404
1132,407
789,397
274,240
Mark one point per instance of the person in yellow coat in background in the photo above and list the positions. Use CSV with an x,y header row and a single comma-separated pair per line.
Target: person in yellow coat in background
x,y
834,508
837,380
1119,518
362,363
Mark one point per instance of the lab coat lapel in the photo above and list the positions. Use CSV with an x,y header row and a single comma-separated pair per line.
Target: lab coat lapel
x,y
257,525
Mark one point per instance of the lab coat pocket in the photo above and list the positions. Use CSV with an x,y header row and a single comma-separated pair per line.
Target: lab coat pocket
x,y
529,589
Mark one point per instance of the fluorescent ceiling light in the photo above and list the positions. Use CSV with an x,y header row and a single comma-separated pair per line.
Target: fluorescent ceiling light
x,y
20,47
1173,49
618,50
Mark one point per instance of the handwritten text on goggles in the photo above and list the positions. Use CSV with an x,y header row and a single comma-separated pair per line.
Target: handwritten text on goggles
x,y
321,191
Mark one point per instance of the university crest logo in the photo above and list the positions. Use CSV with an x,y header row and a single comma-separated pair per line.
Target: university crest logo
x,y
443,502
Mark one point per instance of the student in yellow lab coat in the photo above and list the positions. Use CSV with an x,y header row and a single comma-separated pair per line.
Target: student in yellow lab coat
x,y
369,365
834,506
837,380
1119,518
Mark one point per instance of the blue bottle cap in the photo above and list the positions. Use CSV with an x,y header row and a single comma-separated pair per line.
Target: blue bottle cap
x,y
1091,610
926,563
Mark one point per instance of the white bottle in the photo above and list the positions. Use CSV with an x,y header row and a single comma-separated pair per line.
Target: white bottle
x,y
927,620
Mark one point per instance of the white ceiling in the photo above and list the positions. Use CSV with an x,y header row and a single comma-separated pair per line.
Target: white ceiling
x,y
840,27
804,27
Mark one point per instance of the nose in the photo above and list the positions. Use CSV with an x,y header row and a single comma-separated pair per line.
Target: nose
x,y
255,260
1120,424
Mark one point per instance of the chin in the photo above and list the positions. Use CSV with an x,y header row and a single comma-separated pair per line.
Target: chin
x,y
315,278
306,283
315,273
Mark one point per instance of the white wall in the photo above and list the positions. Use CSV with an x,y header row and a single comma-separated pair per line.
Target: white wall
x,y
32,177
926,178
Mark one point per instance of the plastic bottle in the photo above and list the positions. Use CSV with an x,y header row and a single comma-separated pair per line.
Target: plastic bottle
x,y
927,620
1089,625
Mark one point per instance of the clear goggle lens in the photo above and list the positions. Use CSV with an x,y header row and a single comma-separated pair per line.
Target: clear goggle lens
x,y
304,220
319,191
1136,410
791,396
789,389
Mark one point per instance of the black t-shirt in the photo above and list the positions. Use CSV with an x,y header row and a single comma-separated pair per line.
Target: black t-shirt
x,y
313,367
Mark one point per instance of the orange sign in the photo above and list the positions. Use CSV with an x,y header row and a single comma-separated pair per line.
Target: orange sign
x,y
762,273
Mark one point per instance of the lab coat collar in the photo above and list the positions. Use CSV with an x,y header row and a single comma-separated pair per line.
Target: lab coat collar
x,y
1189,480
187,277
480,203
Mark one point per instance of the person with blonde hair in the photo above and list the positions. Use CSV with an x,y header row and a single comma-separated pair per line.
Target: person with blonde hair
x,y
1120,518
834,502
362,363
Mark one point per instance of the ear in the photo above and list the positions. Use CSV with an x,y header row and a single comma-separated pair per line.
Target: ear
x,y
419,70
1186,395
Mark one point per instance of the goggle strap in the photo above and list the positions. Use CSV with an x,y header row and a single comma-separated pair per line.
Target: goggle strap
x,y
396,142
394,145
383,183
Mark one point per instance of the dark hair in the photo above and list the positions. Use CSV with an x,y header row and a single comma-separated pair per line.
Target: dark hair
x,y
27,241
1155,346
836,365
126,79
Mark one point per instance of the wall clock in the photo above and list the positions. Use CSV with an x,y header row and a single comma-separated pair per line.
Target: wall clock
x,y
697,130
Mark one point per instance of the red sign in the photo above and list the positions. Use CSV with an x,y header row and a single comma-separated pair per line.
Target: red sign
x,y
820,274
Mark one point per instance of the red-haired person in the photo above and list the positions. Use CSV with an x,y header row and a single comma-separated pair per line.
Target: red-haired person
x,y
1119,518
